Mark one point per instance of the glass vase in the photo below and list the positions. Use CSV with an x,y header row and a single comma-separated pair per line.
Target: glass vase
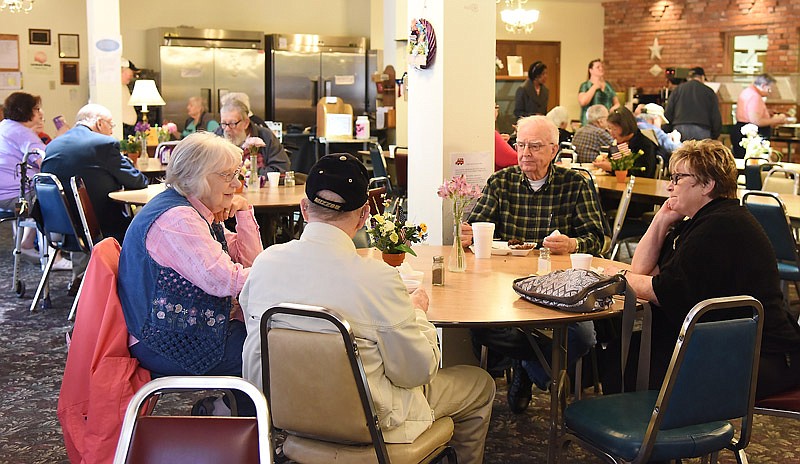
x,y
253,181
143,153
457,262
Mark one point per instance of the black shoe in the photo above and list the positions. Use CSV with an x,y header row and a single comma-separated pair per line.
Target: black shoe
x,y
72,288
519,390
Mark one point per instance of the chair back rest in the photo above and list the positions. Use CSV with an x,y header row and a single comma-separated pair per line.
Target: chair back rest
x,y
164,151
594,190
781,180
378,161
713,371
91,228
769,211
376,199
59,225
755,169
622,211
298,343
401,165
659,174
200,439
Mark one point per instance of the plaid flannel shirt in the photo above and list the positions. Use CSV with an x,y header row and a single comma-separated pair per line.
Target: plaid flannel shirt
x,y
564,203
588,140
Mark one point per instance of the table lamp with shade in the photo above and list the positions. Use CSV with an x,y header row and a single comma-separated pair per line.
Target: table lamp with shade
x,y
145,93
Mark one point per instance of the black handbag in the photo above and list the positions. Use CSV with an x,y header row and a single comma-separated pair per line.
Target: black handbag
x,y
573,290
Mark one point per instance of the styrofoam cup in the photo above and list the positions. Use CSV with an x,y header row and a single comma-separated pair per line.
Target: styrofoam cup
x,y
274,179
581,261
482,234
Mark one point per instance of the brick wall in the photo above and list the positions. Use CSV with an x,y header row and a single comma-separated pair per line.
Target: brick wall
x,y
692,33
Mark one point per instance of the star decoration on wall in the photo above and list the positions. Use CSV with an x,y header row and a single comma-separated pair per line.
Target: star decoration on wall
x,y
655,50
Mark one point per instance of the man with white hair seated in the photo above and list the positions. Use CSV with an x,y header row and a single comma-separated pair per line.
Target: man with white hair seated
x,y
589,138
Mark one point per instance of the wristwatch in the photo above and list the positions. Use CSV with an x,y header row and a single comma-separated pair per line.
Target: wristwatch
x,y
624,272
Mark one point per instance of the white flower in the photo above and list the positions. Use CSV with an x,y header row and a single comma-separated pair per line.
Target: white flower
x,y
750,130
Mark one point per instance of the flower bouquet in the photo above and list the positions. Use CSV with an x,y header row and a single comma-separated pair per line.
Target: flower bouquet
x,y
392,233
141,129
253,162
755,146
462,194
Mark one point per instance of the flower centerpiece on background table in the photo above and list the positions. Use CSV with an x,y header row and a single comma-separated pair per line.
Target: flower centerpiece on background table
x,y
755,146
461,193
392,234
131,146
252,148
141,129
622,161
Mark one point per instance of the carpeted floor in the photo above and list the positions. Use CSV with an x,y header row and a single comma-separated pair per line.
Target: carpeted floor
x,y
33,354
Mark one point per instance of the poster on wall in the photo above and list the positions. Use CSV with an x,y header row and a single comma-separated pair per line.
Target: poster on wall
x,y
10,80
475,167
40,60
9,52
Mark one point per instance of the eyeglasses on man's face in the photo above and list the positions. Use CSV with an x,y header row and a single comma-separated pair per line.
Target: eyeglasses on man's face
x,y
109,122
232,125
676,177
229,176
533,147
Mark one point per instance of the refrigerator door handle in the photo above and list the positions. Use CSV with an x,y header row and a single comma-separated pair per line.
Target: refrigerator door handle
x,y
205,94
314,91
220,93
328,87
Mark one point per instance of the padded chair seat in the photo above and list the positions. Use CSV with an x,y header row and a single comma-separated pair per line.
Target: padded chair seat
x,y
787,401
617,424
309,451
788,271
6,214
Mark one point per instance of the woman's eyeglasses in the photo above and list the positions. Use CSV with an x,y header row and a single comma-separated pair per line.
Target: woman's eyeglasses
x,y
675,178
229,176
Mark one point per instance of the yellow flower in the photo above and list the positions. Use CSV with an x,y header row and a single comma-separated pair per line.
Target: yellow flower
x,y
423,227
379,218
393,237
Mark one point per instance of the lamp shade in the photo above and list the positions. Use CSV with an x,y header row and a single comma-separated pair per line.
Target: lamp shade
x,y
145,93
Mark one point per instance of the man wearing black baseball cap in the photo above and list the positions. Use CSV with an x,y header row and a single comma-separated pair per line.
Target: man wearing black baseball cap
x,y
397,343
693,108
128,72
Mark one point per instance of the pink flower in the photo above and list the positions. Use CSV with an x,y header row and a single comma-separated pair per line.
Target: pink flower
x,y
253,142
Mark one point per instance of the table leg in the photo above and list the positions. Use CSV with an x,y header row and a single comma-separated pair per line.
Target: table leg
x,y
558,391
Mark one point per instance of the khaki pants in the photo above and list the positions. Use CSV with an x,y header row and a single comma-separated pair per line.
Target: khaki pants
x,y
464,393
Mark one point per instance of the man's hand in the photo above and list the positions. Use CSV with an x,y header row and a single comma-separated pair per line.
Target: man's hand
x,y
466,234
560,244
420,299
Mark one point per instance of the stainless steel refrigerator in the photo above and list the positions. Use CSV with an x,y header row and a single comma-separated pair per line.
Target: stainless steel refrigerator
x,y
302,68
207,63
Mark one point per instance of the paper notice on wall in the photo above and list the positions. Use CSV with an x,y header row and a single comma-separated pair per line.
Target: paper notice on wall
x,y
475,167
40,60
515,66
348,79
10,80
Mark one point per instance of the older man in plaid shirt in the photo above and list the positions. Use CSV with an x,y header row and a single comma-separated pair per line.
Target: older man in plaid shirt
x,y
536,201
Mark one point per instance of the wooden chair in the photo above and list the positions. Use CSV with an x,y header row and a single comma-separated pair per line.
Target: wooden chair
x,y
710,381
89,223
160,439
292,360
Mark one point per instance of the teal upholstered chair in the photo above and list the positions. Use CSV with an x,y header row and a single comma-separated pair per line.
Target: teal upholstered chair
x,y
710,381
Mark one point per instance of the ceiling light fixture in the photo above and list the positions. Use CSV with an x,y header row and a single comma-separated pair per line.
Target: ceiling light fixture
x,y
16,6
518,19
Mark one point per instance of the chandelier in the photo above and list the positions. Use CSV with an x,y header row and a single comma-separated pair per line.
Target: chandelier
x,y
518,19
16,6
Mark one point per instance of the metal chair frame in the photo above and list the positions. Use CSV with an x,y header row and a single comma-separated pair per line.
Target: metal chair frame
x,y
619,219
674,377
22,220
341,326
141,406
788,173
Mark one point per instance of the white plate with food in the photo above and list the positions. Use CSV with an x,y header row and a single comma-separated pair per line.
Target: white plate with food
x,y
520,248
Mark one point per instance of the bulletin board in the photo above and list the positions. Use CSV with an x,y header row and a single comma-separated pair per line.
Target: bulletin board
x,y
9,52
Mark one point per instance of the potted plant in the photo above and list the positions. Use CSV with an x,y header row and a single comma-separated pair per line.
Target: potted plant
x,y
393,235
623,160
131,147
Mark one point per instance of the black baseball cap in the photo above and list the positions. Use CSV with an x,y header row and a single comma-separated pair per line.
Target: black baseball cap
x,y
342,174
696,71
128,64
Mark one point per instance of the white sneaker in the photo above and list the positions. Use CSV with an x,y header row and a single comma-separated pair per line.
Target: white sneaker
x,y
30,254
62,265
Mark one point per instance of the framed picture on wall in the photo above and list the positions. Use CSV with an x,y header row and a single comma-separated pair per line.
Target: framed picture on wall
x,y
69,73
68,46
39,36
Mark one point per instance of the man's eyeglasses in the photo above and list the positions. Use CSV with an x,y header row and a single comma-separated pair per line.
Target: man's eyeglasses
x,y
675,178
532,147
109,122
229,176
230,124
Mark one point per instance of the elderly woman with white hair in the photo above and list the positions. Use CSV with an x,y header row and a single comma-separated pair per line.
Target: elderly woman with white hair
x,y
560,117
181,271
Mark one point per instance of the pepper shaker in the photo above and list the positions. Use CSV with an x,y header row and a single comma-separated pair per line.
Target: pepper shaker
x,y
438,271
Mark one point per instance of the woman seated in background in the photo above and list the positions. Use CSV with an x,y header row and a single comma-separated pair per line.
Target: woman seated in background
x,y
199,118
504,154
622,125
560,118
693,250
19,140
181,271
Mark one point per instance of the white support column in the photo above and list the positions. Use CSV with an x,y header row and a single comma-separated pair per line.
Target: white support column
x,y
450,104
105,50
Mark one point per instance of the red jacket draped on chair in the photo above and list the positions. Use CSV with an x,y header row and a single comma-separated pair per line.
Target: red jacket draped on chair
x,y
100,376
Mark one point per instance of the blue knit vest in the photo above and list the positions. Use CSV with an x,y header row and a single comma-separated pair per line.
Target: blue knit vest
x,y
166,312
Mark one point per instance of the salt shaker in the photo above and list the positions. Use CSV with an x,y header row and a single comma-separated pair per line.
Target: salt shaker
x,y
288,181
438,271
544,261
